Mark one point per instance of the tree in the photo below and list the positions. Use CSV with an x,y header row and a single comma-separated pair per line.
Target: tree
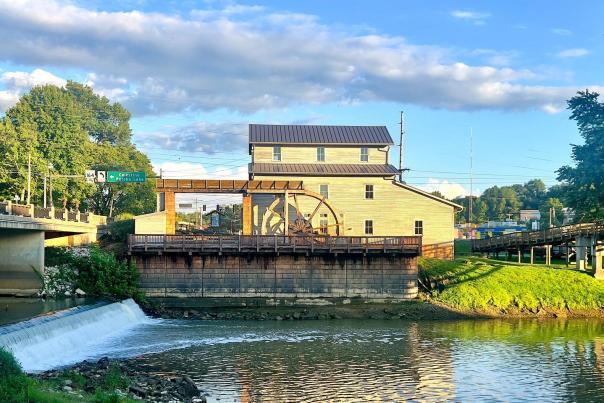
x,y
73,129
585,181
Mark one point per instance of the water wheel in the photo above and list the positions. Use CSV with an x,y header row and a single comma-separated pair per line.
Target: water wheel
x,y
301,210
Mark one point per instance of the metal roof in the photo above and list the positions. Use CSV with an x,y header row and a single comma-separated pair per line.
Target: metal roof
x,y
315,134
323,169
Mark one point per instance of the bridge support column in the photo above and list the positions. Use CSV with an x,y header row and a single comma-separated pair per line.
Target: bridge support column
x,y
597,259
548,255
582,245
520,255
170,203
22,254
532,255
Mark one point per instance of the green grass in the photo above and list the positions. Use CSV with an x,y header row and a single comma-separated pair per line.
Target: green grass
x,y
462,247
18,387
487,285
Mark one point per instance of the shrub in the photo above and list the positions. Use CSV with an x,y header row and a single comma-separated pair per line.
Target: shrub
x,y
101,274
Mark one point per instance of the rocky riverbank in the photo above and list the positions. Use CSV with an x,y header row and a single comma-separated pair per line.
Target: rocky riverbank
x,y
124,378
409,310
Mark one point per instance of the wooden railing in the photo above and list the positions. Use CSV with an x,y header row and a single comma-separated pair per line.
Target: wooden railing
x,y
551,236
275,244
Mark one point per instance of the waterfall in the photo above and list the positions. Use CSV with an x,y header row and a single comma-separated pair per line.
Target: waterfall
x,y
69,336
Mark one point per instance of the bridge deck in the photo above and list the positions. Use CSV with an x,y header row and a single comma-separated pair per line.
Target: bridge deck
x,y
552,236
316,244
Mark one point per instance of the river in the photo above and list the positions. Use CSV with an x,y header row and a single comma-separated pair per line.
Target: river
x,y
341,360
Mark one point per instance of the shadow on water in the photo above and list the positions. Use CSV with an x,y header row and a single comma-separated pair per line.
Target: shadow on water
x,y
14,309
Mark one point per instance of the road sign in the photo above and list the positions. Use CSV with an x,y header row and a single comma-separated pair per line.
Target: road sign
x,y
101,176
90,176
125,177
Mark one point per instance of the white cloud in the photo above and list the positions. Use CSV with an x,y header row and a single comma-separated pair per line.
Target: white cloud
x,y
448,189
15,83
248,59
562,31
473,16
574,52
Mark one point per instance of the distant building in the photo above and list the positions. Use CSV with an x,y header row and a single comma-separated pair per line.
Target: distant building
x,y
496,228
530,215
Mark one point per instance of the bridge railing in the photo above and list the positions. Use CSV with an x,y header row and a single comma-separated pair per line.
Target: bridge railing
x,y
274,243
50,213
527,238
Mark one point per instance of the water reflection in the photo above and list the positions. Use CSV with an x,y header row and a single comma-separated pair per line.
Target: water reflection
x,y
388,361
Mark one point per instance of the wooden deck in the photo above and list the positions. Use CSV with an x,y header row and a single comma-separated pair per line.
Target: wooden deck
x,y
563,235
275,244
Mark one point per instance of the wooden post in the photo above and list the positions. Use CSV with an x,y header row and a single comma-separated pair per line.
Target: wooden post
x,y
519,255
532,255
170,205
286,214
247,215
548,255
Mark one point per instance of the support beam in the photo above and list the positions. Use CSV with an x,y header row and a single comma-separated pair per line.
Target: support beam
x,y
532,255
170,202
548,255
582,246
22,254
597,261
519,255
286,213
247,215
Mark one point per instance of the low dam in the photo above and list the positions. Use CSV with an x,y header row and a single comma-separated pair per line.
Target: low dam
x,y
69,336
372,268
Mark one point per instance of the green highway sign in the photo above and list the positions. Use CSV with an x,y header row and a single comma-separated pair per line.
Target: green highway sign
x,y
125,177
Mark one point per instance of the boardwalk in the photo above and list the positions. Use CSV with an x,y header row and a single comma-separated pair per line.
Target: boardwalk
x,y
314,244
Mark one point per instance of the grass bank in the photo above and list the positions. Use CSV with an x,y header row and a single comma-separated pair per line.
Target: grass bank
x,y
18,387
496,288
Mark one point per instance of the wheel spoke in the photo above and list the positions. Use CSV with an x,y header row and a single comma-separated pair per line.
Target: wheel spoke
x,y
316,209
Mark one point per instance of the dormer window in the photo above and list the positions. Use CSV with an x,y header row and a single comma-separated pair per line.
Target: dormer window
x,y
364,154
276,153
320,153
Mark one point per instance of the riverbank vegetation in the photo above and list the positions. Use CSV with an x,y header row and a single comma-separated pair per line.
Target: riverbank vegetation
x,y
93,271
504,288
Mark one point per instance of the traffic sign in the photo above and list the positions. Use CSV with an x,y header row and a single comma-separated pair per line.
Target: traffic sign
x,y
125,177
101,176
90,176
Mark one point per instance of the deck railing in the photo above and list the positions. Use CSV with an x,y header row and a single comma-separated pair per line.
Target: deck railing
x,y
50,213
274,243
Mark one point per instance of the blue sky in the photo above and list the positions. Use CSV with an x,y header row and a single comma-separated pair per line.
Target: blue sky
x,y
195,73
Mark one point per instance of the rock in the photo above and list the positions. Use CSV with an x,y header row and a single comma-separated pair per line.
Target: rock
x,y
80,292
67,388
68,293
185,314
189,389
278,318
296,315
103,362
138,391
67,382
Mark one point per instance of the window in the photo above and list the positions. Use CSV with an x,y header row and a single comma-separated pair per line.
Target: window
x,y
368,227
324,190
323,224
277,153
320,153
419,228
368,191
364,154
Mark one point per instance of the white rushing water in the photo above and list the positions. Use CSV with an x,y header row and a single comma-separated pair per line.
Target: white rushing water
x,y
70,336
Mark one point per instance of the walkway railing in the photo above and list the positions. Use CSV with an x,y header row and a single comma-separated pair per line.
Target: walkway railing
x,y
50,213
552,236
410,245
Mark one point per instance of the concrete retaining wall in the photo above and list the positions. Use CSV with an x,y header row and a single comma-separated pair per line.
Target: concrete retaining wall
x,y
284,276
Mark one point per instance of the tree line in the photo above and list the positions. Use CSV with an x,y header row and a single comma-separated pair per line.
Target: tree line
x,y
61,132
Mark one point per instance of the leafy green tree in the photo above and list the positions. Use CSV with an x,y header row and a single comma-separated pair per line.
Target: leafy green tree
x,y
585,181
71,129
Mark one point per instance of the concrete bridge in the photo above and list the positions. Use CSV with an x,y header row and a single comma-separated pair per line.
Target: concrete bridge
x,y
24,230
585,239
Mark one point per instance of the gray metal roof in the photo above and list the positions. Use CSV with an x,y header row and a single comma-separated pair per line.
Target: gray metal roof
x,y
315,134
264,168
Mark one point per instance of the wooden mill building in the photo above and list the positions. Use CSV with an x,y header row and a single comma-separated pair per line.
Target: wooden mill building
x,y
350,187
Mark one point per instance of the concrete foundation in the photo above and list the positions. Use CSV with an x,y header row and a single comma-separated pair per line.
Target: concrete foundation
x,y
278,276
598,261
21,255
582,247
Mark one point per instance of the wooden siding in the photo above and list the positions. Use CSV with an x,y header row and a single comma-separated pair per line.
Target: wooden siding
x,y
333,155
393,210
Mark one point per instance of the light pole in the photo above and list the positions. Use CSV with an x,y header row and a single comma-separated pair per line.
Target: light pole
x,y
50,167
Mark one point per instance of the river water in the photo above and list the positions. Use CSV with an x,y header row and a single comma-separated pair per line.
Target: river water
x,y
341,360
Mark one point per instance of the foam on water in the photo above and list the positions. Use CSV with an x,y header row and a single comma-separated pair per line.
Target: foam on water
x,y
70,336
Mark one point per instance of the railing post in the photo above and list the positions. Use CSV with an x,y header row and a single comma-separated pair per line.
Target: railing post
x,y
275,237
257,243
239,243
183,242
145,242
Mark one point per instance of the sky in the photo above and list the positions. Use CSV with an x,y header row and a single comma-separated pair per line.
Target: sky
x,y
483,84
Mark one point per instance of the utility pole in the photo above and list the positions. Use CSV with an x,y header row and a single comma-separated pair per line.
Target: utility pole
x,y
28,178
471,178
400,149
45,176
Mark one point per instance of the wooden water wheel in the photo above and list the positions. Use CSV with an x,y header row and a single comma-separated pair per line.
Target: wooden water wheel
x,y
274,219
